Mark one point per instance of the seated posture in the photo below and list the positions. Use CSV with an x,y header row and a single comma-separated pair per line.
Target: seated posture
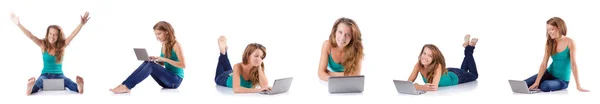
x,y
52,49
166,69
562,50
432,67
342,54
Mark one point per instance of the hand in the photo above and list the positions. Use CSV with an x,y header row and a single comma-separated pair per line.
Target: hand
x,y
15,18
265,89
582,90
157,58
534,86
430,87
85,18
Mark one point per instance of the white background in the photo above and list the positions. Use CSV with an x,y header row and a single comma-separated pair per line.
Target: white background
x,y
512,38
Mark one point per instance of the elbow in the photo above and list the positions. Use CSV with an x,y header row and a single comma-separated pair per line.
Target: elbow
x,y
237,90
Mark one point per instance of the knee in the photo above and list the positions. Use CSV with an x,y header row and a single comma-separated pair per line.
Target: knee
x,y
547,86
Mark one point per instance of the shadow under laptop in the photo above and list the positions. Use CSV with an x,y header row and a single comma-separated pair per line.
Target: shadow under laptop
x,y
452,90
55,93
559,92
229,91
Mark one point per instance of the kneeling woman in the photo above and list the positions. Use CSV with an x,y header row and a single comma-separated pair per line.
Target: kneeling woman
x,y
244,76
432,66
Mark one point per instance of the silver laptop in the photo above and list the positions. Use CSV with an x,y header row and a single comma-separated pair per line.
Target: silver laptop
x,y
141,54
521,87
406,87
53,84
279,86
346,84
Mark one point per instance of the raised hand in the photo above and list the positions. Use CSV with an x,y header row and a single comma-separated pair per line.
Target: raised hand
x,y
85,17
15,18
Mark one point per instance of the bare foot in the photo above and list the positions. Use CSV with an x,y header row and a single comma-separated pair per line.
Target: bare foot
x,y
223,44
79,81
467,37
120,89
473,42
30,83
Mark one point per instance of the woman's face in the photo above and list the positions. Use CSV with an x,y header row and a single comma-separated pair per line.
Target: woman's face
x,y
426,57
552,31
343,35
256,57
53,35
160,35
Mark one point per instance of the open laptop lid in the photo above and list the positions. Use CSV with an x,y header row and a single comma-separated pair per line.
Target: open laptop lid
x,y
282,85
346,84
141,54
53,84
518,86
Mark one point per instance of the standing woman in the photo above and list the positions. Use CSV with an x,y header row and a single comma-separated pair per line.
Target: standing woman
x,y
342,54
52,48
166,69
562,50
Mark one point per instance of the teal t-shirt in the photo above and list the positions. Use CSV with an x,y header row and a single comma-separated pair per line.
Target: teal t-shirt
x,y
243,83
447,79
334,67
50,64
561,65
176,70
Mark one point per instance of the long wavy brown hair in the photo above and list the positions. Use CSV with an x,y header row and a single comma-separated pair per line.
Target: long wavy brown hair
x,y
353,52
562,30
59,46
246,60
169,41
437,59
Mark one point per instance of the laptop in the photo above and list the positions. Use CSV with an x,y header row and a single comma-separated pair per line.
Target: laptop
x,y
53,84
521,87
406,87
346,84
141,54
279,86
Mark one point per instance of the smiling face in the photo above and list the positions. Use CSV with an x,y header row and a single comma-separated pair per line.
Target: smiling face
x,y
426,57
254,54
552,31
343,35
52,35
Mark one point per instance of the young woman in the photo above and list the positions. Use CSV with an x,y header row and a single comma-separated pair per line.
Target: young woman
x,y
562,50
166,69
52,48
342,54
245,76
432,66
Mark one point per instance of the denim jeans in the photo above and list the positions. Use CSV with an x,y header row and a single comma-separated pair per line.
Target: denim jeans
x,y
468,69
548,82
69,84
162,76
223,70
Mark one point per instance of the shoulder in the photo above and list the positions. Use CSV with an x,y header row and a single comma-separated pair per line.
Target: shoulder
x,y
326,44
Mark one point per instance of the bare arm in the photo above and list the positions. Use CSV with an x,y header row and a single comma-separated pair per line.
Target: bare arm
x,y
542,70
84,20
264,83
414,74
27,33
574,68
322,72
181,62
237,88
436,78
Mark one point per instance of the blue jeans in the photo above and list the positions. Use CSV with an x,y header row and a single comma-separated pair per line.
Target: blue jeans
x,y
162,76
468,69
223,70
548,82
69,84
